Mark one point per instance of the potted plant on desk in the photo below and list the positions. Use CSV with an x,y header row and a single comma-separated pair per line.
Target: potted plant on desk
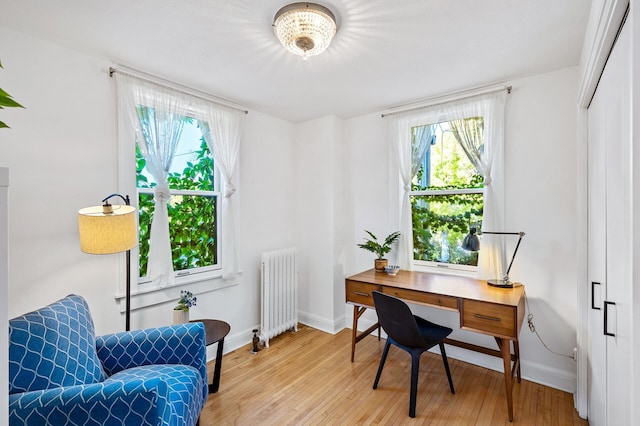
x,y
379,249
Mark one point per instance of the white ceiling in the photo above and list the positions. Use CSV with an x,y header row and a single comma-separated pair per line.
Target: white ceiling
x,y
385,53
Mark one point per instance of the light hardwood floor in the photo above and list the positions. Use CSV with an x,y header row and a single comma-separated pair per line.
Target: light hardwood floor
x,y
306,378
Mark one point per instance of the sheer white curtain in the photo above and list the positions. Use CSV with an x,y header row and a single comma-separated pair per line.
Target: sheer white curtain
x,y
222,129
485,150
408,152
483,143
157,114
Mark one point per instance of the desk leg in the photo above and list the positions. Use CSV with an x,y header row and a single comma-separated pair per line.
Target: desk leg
x,y
215,385
357,313
355,338
505,348
516,350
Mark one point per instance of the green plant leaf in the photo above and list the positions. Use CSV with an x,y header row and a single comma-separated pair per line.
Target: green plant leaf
x,y
375,247
6,101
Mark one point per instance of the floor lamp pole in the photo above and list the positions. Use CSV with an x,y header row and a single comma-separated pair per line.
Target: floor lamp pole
x,y
128,294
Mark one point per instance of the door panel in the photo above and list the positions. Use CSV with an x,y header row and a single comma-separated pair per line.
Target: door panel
x,y
609,241
618,223
596,240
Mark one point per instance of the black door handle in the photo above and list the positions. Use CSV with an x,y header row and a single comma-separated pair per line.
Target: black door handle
x,y
593,285
606,312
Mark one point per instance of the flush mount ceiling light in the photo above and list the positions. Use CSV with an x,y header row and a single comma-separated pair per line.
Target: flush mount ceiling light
x,y
305,29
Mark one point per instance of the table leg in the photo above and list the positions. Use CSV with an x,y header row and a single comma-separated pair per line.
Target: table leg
x,y
354,332
215,385
516,350
505,348
355,338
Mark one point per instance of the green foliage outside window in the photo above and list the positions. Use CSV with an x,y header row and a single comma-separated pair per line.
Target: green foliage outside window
x,y
439,217
192,218
441,221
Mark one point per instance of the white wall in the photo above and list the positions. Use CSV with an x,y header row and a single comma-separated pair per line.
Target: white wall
x,y
318,221
540,195
62,151
635,131
4,284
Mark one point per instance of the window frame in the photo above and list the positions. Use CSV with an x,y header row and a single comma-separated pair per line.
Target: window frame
x,y
193,273
440,267
202,273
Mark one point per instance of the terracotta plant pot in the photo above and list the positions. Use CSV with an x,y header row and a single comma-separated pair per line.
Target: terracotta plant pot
x,y
380,264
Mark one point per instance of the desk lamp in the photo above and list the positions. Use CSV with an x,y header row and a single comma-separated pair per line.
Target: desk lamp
x,y
472,243
108,229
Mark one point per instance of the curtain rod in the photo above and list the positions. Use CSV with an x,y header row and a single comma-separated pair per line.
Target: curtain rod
x,y
181,88
439,100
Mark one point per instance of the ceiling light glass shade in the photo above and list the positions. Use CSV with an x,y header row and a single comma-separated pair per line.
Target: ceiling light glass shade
x,y
305,29
103,232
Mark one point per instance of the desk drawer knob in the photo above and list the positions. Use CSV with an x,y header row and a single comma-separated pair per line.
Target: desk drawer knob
x,y
486,317
359,293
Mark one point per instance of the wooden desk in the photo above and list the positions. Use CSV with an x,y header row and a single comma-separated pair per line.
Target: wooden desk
x,y
497,312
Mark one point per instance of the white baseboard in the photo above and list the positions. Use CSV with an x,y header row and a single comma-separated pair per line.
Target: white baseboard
x,y
322,324
233,341
238,339
534,372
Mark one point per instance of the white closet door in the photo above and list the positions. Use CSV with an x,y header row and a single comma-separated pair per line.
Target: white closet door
x,y
597,247
610,242
619,228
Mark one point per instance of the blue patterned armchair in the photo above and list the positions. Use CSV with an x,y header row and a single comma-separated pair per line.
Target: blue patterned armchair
x,y
60,373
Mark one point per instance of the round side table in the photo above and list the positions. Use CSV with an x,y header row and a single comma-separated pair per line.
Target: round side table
x,y
216,331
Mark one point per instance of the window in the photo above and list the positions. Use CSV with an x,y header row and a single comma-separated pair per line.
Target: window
x,y
446,198
192,207
449,158
178,157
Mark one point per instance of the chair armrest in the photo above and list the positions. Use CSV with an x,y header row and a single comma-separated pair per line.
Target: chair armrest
x,y
176,344
135,402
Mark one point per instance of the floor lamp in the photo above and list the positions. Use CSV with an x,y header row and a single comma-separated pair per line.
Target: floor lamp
x,y
108,229
472,243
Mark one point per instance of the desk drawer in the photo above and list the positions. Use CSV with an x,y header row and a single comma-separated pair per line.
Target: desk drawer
x,y
360,293
489,318
422,297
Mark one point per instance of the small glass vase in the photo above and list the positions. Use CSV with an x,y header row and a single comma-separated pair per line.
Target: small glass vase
x,y
180,316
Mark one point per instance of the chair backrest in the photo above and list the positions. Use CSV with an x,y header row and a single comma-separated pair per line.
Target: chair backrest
x,y
52,347
396,319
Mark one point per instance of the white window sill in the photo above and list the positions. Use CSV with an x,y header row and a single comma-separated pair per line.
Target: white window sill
x,y
445,270
147,295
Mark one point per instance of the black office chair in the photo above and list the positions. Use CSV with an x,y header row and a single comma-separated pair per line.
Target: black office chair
x,y
410,333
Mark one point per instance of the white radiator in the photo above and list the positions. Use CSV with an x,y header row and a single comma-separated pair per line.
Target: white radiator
x,y
279,293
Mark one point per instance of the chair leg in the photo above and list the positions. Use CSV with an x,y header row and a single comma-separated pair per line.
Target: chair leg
x,y
415,368
446,367
382,361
